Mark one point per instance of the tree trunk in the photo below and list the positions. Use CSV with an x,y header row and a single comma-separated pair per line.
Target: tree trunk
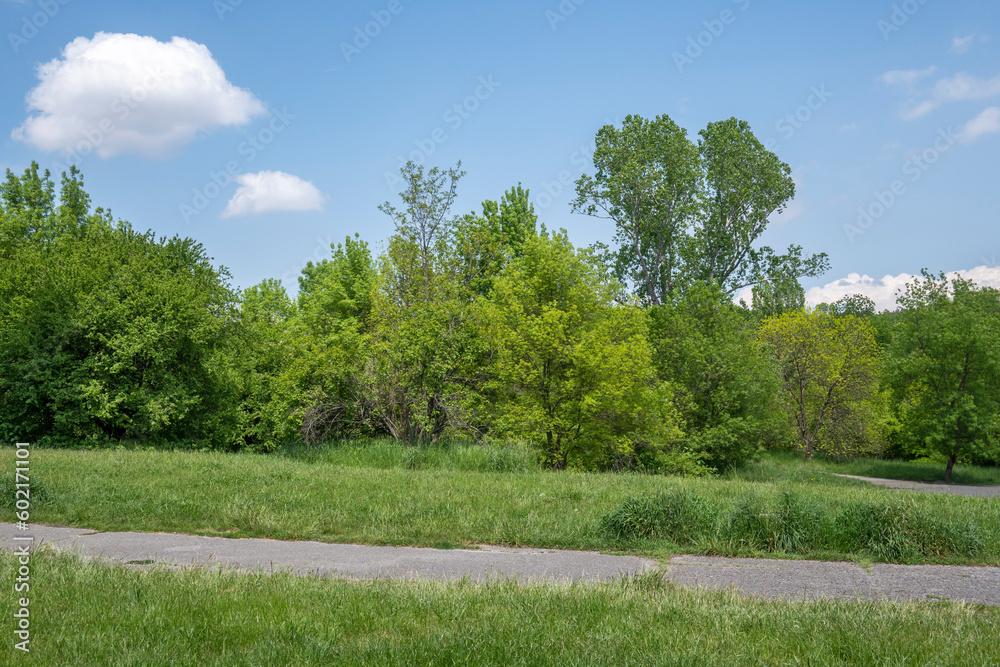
x,y
951,464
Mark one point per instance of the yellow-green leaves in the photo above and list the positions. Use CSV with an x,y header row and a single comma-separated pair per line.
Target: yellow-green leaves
x,y
830,369
571,369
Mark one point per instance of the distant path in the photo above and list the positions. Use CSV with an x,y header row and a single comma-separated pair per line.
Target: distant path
x,y
984,490
766,578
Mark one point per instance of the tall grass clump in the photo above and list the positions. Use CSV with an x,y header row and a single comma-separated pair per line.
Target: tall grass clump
x,y
384,454
38,491
679,515
894,530
793,524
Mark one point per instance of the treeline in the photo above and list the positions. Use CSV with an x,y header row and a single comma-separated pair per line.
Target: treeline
x,y
489,326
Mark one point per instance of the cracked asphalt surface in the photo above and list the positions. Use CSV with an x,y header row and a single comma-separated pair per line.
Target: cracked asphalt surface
x,y
336,560
765,578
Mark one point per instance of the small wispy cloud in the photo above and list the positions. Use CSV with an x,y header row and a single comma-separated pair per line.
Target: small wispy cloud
x,y
985,124
849,127
960,45
961,87
907,77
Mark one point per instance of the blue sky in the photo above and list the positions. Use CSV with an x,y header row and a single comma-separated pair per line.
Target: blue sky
x,y
267,130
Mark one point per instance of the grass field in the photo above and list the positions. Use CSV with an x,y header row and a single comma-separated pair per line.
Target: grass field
x,y
382,493
86,613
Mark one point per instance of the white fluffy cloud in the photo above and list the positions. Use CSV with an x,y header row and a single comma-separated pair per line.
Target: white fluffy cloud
x,y
122,93
986,123
959,88
883,291
271,191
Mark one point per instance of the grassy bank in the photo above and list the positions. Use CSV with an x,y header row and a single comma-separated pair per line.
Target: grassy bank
x,y
385,494
93,614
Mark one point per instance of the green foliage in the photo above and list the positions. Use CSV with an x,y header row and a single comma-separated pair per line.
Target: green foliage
x,y
745,184
686,214
572,372
777,297
105,332
945,369
314,394
257,363
417,379
858,305
336,294
484,244
726,383
647,183
423,227
795,524
830,369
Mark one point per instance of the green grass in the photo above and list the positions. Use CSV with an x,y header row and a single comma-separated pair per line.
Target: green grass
x,y
382,493
87,613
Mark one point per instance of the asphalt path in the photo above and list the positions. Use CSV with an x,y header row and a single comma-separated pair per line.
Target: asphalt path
x,y
981,490
334,560
805,579
765,578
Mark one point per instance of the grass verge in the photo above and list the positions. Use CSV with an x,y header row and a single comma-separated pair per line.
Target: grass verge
x,y
379,494
88,613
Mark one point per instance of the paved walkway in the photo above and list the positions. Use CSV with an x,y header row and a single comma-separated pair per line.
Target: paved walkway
x,y
818,579
338,560
794,579
984,490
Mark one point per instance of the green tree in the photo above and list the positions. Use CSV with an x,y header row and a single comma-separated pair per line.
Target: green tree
x,y
686,213
945,368
571,372
483,244
417,363
726,381
315,397
647,182
337,293
745,184
105,332
424,224
258,361
830,370
776,297
858,305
